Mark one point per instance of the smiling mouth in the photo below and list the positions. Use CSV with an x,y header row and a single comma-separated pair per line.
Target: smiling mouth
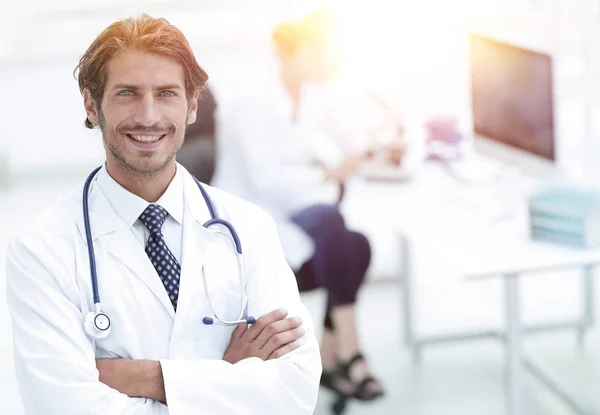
x,y
146,138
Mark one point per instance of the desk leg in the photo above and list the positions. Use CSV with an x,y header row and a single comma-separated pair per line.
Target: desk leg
x,y
406,287
514,353
588,303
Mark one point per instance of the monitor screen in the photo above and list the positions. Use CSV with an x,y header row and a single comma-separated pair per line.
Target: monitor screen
x,y
512,98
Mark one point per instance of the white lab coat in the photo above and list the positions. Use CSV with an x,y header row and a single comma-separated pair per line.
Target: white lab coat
x,y
49,293
267,159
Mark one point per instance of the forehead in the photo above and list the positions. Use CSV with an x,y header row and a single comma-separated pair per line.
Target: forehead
x,y
144,69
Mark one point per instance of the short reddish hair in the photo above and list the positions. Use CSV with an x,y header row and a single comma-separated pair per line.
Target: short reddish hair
x,y
145,33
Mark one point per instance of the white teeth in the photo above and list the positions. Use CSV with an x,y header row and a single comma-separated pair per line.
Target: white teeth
x,y
146,138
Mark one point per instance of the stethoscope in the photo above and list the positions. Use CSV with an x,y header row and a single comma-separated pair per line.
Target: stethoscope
x,y
97,323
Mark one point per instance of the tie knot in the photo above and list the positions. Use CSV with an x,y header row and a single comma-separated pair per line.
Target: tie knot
x,y
153,218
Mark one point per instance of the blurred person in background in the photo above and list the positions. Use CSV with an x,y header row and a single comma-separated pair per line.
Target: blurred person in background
x,y
269,155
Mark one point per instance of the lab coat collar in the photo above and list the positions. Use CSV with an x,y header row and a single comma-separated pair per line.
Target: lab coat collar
x,y
102,216
196,208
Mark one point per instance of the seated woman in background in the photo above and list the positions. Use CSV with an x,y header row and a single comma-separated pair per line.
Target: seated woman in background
x,y
267,156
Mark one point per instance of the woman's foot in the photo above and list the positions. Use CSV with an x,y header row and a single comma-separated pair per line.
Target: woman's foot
x,y
331,379
356,371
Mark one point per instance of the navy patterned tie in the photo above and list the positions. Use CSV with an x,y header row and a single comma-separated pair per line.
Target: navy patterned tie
x,y
162,258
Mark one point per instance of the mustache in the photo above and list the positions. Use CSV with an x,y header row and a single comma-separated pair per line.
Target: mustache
x,y
141,129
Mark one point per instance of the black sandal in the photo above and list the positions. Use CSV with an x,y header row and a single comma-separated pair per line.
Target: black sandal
x,y
361,392
328,380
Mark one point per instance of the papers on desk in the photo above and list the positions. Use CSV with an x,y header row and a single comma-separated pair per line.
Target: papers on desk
x,y
381,171
565,215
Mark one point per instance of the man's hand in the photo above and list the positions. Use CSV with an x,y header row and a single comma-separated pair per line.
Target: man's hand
x,y
270,337
134,378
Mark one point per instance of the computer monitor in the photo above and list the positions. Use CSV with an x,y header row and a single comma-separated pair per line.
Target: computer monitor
x,y
512,105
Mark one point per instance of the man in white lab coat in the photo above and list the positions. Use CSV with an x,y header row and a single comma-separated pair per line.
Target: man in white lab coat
x,y
140,83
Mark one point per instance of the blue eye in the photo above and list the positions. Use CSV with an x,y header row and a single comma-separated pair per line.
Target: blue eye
x,y
169,93
126,93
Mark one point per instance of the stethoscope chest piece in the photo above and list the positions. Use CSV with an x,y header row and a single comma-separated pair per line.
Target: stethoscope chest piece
x,y
97,325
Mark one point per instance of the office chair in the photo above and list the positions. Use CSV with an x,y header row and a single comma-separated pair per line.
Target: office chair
x,y
198,153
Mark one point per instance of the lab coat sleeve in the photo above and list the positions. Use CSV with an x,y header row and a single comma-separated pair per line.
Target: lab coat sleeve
x,y
54,359
288,385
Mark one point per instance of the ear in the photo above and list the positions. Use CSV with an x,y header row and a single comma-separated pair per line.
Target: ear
x,y
193,108
90,107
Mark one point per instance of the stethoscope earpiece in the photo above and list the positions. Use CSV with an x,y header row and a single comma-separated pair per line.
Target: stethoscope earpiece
x,y
209,321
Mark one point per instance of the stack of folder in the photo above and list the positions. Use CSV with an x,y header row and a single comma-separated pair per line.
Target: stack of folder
x,y
566,215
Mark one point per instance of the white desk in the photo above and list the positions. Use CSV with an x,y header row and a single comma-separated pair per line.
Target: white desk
x,y
523,258
439,219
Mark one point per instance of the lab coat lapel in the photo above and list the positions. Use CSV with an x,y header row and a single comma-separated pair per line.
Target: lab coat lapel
x,y
195,248
196,240
122,244
124,247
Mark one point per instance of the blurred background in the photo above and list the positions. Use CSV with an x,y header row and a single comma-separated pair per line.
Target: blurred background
x,y
494,103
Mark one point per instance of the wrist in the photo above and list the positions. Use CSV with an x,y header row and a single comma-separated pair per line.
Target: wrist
x,y
152,383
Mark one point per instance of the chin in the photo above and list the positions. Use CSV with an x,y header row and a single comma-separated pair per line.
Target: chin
x,y
147,167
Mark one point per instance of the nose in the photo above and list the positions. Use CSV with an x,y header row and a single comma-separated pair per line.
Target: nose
x,y
147,112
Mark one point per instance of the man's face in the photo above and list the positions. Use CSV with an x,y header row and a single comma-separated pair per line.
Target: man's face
x,y
143,113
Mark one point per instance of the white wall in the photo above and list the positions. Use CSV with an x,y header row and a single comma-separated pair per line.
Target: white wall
x,y
6,19
45,129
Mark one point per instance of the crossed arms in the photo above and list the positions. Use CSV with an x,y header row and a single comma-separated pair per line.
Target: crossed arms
x,y
271,337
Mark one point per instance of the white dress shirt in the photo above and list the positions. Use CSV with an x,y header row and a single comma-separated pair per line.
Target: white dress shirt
x,y
129,207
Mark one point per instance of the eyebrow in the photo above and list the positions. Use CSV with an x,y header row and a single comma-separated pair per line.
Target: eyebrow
x,y
136,87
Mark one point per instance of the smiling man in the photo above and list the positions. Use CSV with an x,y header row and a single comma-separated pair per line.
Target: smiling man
x,y
125,298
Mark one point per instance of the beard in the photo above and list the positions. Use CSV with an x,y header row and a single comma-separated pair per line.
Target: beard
x,y
144,164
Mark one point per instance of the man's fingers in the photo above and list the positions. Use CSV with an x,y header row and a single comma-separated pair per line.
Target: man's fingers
x,y
283,350
239,330
259,325
276,328
282,339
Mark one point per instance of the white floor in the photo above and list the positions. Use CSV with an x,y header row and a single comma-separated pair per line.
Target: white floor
x,y
462,378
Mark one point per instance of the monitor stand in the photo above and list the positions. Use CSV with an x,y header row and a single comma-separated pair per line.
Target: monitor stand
x,y
475,169
485,160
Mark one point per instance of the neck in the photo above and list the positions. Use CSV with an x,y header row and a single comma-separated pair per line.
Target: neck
x,y
148,186
292,85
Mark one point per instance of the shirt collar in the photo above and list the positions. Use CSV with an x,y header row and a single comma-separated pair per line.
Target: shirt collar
x,y
172,198
129,206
